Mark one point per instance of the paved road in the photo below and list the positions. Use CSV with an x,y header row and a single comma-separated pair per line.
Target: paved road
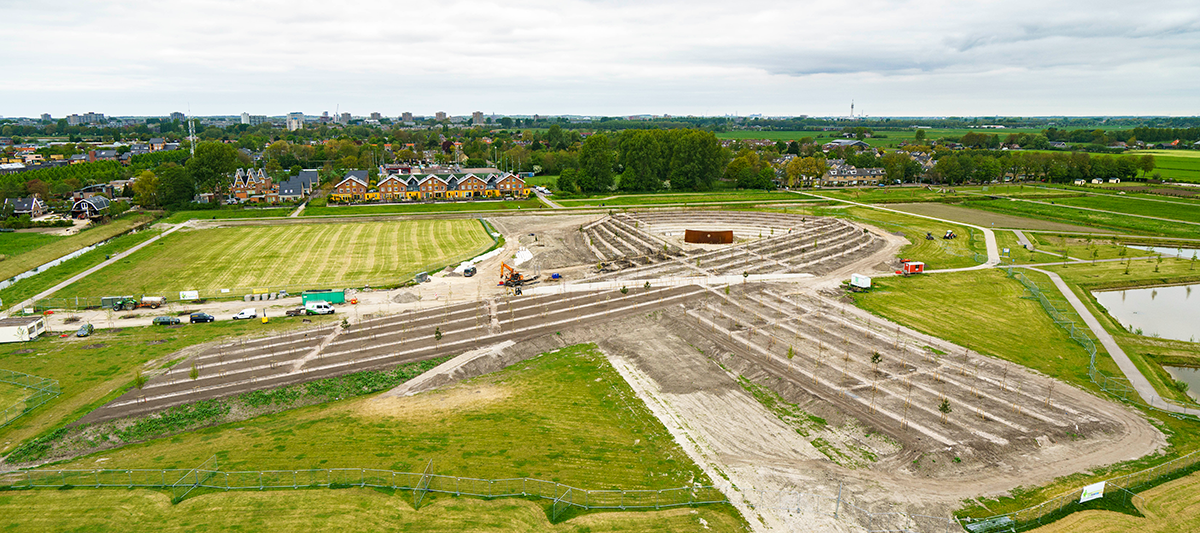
x,y
993,251
1135,377
298,210
88,272
546,200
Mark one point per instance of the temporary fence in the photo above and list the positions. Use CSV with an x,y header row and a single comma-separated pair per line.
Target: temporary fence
x,y
563,498
1121,489
270,292
42,391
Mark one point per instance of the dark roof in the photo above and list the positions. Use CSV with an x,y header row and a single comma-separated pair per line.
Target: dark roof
x,y
310,177
156,140
360,174
292,187
21,205
97,203
19,321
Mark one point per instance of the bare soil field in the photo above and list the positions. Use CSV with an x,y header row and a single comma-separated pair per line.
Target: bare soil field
x,y
987,219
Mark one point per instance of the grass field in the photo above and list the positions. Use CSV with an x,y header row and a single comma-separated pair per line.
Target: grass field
x,y
683,198
30,286
324,510
12,396
1174,211
288,256
91,369
222,214
937,253
565,416
50,250
404,209
14,244
1167,508
1112,222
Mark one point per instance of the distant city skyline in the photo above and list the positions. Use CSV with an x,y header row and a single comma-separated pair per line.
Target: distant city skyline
x,y
709,58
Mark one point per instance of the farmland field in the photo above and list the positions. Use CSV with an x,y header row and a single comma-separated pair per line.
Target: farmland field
x,y
1113,222
1169,507
891,136
288,256
565,416
987,219
1181,165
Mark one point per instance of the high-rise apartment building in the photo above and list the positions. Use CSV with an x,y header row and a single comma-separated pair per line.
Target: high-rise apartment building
x,y
295,121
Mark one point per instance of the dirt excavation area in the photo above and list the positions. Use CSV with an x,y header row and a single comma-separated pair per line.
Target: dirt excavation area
x,y
783,394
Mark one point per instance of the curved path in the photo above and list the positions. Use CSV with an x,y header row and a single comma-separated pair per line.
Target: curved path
x,y
1135,377
993,250
1131,372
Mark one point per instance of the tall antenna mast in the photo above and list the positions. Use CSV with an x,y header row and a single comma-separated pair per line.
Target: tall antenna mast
x,y
852,109
191,131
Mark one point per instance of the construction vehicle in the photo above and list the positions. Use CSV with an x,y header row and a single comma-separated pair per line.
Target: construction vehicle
x,y
950,235
509,277
129,303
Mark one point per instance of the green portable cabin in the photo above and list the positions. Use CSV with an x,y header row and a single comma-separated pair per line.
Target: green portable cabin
x,y
328,295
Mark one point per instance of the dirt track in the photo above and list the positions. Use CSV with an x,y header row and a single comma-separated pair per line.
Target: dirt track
x,y
683,351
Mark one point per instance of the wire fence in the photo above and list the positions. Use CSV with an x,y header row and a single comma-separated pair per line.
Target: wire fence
x,y
268,292
1119,490
563,499
42,391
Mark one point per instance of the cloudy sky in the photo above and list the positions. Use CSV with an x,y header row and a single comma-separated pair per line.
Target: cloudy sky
x,y
700,57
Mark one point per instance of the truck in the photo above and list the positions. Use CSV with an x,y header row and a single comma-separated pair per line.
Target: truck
x,y
326,295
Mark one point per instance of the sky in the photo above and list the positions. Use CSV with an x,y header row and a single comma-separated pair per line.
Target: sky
x,y
611,58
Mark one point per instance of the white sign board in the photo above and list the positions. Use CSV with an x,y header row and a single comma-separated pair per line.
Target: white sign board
x,y
189,295
1092,492
860,281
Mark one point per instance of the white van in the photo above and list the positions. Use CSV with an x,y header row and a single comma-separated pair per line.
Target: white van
x,y
247,313
318,307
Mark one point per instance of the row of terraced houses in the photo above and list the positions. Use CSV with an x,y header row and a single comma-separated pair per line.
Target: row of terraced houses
x,y
396,184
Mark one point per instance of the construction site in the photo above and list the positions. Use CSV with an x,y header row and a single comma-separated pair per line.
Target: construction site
x,y
705,313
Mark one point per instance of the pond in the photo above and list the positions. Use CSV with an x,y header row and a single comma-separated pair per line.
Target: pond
x,y
1167,312
1188,375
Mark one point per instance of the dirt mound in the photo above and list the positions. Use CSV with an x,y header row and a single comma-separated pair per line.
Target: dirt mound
x,y
404,298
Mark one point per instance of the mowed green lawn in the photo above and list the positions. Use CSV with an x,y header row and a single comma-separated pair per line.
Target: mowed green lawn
x,y
296,256
565,416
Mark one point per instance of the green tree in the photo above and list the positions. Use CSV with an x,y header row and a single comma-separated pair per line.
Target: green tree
x,y
175,186
596,164
944,408
920,137
145,190
641,155
212,165
696,160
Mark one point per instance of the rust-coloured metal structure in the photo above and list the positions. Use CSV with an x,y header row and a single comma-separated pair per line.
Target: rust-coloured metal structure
x,y
708,237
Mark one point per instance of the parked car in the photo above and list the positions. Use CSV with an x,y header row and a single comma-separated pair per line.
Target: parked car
x,y
247,313
201,317
165,321
84,330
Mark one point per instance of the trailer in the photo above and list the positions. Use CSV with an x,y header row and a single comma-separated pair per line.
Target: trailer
x,y
911,267
325,295
21,328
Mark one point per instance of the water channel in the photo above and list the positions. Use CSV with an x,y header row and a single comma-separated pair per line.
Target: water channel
x,y
1167,312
